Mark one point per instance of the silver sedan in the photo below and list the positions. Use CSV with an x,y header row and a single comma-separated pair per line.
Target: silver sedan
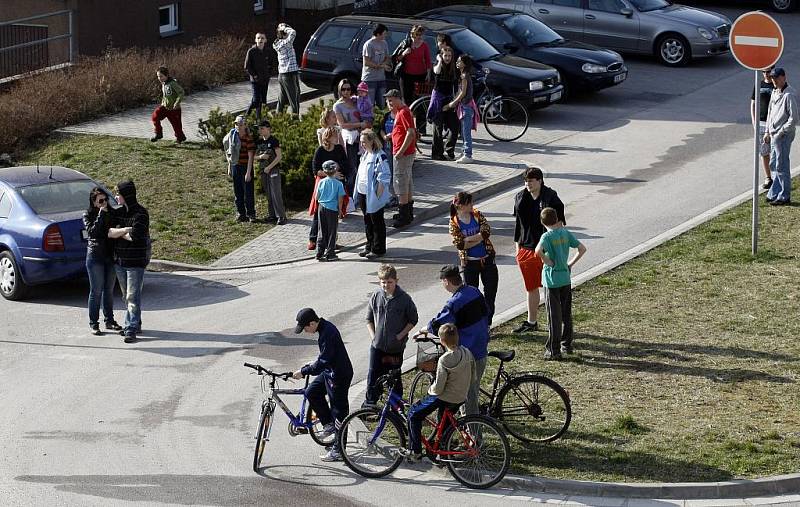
x,y
673,33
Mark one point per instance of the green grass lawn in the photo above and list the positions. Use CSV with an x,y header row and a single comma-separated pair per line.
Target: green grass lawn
x,y
185,189
687,361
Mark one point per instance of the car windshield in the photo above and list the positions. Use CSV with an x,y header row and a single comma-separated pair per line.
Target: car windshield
x,y
649,5
467,41
530,31
58,196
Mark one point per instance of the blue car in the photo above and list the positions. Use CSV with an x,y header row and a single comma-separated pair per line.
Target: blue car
x,y
42,238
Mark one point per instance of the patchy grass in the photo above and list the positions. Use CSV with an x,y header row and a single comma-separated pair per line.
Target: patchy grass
x,y
184,187
687,361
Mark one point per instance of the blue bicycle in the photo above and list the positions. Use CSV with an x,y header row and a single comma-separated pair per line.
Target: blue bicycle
x,y
305,421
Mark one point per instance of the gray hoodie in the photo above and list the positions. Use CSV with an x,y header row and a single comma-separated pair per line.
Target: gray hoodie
x,y
454,374
782,113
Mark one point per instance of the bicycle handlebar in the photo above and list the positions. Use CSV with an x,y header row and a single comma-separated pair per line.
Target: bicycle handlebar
x,y
425,337
263,371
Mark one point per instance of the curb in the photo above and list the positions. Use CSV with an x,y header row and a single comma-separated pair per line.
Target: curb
x,y
479,192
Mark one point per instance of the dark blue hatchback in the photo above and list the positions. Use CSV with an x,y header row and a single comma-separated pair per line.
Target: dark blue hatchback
x,y
42,238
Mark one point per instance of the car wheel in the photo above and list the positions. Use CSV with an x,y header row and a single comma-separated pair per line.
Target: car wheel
x,y
11,284
784,5
673,50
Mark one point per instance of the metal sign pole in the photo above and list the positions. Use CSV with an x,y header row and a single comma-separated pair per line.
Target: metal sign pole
x,y
756,162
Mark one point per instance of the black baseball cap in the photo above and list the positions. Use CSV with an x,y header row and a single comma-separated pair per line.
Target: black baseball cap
x,y
305,317
777,72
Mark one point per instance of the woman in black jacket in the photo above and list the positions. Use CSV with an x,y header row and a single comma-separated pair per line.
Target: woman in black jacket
x,y
100,262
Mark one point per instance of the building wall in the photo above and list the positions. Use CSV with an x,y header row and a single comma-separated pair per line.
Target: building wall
x,y
47,54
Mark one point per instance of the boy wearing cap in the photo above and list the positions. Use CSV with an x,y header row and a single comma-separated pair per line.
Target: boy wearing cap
x,y
334,373
268,154
240,151
782,118
330,195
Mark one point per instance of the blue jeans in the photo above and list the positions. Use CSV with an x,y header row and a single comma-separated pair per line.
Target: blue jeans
x,y
130,282
376,91
243,192
101,287
466,130
781,189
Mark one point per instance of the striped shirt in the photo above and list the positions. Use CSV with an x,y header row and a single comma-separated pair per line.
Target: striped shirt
x,y
248,146
287,62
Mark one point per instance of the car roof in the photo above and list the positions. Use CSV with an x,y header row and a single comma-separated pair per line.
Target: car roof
x,y
429,24
471,9
23,176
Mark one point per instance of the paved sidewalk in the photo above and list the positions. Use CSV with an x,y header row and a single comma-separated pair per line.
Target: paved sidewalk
x,y
136,122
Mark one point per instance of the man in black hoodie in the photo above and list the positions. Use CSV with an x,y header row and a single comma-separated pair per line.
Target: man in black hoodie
x,y
131,228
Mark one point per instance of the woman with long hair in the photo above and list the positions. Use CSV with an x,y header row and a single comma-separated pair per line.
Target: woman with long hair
x,y
416,63
470,232
372,191
349,120
328,149
100,262
445,78
464,105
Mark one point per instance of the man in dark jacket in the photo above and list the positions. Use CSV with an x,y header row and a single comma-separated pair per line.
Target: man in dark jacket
x,y
257,65
528,229
131,230
334,374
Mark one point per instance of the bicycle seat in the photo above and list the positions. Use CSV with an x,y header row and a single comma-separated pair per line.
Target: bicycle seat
x,y
503,355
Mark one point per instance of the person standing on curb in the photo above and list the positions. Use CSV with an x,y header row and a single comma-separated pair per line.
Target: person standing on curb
x,y
372,194
553,249
376,62
528,230
256,63
391,314
760,124
404,146
268,150
288,78
170,107
131,229
240,151
781,123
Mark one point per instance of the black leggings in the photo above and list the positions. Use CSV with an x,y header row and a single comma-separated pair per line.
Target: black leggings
x,y
486,271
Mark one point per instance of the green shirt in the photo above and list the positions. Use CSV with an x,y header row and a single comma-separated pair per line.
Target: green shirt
x,y
556,245
172,93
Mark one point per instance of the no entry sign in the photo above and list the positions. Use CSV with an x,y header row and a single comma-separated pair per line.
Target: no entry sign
x,y
756,40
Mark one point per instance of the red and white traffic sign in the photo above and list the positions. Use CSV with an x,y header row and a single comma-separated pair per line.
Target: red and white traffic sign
x,y
756,40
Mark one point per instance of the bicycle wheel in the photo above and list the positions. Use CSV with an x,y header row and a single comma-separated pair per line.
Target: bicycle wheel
x,y
419,386
261,437
368,447
486,453
316,430
534,408
419,110
505,119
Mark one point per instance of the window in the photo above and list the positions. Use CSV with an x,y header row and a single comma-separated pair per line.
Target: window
x,y
61,197
394,38
168,19
614,6
491,32
258,5
5,205
337,36
529,30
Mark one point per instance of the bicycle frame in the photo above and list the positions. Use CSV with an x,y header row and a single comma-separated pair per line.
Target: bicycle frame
x,y
298,421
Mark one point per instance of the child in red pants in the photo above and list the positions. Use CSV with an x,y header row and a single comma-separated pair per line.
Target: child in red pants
x,y
170,107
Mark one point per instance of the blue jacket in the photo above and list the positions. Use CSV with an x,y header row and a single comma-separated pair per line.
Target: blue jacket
x,y
333,360
467,309
377,167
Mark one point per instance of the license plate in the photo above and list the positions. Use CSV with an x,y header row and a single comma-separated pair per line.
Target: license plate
x,y
620,77
554,97
84,235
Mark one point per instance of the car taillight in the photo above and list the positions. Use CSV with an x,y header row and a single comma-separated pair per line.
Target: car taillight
x,y
304,60
53,240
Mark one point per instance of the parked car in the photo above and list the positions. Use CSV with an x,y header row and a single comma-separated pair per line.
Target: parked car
x,y
673,33
334,52
42,238
583,67
775,5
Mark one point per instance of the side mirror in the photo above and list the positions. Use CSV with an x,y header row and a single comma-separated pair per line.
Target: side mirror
x,y
510,47
626,12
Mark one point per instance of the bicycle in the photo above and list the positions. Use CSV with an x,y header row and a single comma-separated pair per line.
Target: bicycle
x,y
530,406
505,118
474,448
298,425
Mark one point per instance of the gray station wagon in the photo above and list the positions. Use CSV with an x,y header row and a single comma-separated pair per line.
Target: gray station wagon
x,y
673,33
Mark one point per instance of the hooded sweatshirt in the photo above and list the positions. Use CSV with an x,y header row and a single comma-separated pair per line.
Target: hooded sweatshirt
x,y
136,253
454,374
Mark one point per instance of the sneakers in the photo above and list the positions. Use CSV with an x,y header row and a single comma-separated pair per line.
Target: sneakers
x,y
549,356
464,160
113,326
129,338
332,455
327,430
373,255
282,221
767,183
180,140
332,258
450,156
526,327
95,329
411,456
156,137
364,253
567,350
312,245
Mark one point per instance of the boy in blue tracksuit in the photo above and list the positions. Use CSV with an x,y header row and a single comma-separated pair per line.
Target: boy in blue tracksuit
x,y
467,309
334,374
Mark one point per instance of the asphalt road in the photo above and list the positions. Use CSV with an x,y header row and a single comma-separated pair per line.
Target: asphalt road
x,y
169,420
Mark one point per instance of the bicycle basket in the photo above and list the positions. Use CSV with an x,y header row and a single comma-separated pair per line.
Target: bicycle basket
x,y
427,357
423,88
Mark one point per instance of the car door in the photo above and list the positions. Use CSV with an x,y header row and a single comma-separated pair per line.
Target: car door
x,y
606,26
563,16
5,208
489,29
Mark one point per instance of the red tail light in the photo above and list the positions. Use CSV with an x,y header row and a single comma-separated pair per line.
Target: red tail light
x,y
53,240
304,60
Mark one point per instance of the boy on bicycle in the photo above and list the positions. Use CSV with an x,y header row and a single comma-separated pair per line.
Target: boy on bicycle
x,y
334,374
454,375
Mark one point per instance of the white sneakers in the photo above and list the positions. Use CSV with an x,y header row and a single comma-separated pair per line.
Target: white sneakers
x,y
332,455
464,160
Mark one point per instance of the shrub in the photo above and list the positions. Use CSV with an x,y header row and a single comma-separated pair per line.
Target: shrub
x,y
117,80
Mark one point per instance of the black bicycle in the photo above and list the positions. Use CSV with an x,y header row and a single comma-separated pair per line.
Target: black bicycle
x,y
531,406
